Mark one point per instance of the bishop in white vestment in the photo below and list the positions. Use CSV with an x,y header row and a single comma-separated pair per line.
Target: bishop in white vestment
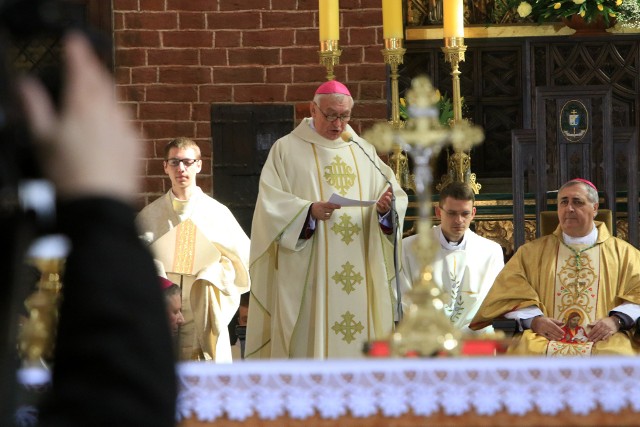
x,y
323,296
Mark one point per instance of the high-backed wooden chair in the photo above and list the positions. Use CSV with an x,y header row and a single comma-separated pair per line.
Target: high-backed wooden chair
x,y
549,220
550,153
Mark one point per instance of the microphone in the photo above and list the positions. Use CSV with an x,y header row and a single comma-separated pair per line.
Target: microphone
x,y
347,137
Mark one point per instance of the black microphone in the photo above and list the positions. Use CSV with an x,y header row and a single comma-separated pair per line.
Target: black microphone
x,y
347,137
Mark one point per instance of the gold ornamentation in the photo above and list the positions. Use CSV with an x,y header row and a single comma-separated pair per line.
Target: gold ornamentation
x,y
577,280
348,327
37,335
557,348
185,245
393,54
622,229
339,175
458,164
500,232
425,329
346,228
459,170
399,162
329,56
348,278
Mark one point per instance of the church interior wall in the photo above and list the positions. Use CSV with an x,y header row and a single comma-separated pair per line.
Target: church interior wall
x,y
174,59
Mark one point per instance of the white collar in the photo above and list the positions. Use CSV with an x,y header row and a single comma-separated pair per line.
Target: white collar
x,y
451,246
589,239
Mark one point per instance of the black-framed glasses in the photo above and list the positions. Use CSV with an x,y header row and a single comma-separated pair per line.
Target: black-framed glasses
x,y
333,117
175,162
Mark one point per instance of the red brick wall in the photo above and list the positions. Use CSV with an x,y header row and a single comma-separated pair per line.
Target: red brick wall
x,y
174,58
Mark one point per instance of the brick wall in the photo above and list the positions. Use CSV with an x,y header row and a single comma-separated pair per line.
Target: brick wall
x,y
174,58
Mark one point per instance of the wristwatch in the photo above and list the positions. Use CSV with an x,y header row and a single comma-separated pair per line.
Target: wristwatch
x,y
620,322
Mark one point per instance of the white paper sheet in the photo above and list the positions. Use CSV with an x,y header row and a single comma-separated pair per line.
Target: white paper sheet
x,y
343,201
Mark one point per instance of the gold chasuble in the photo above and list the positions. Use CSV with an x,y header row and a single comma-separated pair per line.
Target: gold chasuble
x,y
206,254
576,284
325,296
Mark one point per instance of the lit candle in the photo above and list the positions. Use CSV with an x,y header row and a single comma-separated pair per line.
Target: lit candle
x,y
392,19
329,20
453,18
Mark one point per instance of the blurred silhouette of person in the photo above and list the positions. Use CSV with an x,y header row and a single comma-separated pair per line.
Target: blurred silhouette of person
x,y
112,367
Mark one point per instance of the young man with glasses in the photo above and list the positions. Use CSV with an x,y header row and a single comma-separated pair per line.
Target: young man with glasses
x,y
465,264
322,273
200,246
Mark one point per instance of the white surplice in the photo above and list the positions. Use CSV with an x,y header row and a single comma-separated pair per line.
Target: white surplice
x,y
464,272
204,250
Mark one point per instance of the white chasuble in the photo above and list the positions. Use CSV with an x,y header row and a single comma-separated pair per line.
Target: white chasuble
x,y
325,296
206,255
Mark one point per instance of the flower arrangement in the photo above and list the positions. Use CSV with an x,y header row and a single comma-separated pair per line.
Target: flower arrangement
x,y
445,106
629,14
555,10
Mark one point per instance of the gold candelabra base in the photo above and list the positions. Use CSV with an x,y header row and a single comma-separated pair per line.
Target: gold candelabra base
x,y
37,335
459,169
458,164
393,55
329,56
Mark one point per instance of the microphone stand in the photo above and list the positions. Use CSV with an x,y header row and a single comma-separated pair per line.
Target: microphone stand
x,y
394,224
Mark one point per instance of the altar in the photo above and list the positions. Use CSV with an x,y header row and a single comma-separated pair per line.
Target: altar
x,y
489,391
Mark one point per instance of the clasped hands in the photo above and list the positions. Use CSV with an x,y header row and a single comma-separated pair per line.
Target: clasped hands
x,y
551,328
322,211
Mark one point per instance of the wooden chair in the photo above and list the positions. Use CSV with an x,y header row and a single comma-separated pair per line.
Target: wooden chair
x,y
549,220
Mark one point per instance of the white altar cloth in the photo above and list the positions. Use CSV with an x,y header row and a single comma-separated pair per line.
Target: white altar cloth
x,y
394,387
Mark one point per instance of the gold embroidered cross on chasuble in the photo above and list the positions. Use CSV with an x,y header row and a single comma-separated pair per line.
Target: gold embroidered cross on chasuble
x,y
347,279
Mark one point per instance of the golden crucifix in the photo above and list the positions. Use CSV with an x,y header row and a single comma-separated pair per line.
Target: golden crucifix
x,y
425,330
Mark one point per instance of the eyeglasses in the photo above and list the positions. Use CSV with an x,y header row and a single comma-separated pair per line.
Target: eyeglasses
x,y
175,162
455,214
333,117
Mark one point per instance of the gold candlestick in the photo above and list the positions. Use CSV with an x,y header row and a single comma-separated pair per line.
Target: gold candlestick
x,y
458,164
37,336
425,329
393,54
329,56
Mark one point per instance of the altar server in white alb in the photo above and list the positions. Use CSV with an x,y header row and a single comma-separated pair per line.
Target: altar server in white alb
x,y
201,247
465,264
322,273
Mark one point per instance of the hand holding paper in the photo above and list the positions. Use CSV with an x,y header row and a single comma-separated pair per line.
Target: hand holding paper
x,y
343,201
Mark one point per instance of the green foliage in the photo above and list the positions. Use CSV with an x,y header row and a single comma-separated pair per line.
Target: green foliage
x,y
445,106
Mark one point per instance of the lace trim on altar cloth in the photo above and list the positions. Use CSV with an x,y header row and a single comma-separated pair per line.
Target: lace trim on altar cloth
x,y
362,388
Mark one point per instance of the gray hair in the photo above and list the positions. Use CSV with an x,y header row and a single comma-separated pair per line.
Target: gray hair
x,y
337,96
592,193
